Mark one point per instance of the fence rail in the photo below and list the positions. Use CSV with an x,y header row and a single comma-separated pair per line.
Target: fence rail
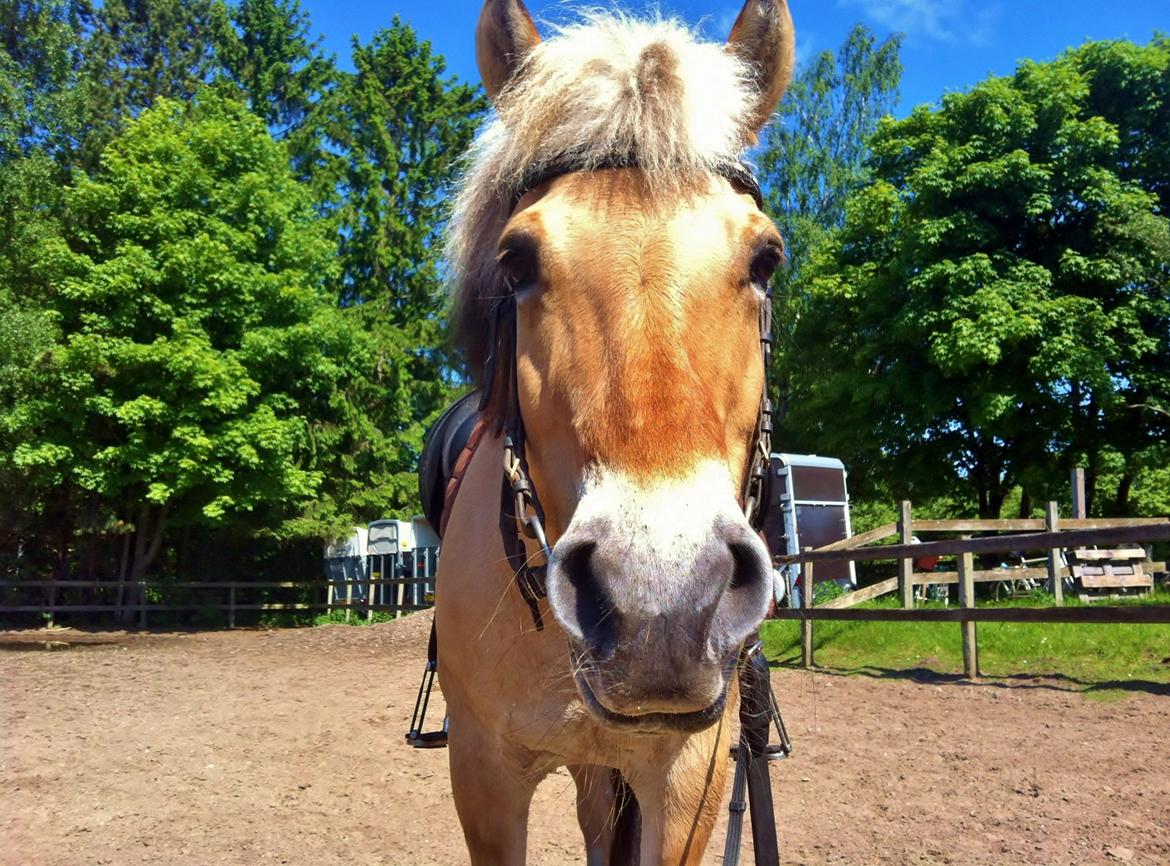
x,y
1150,613
993,544
1051,534
142,606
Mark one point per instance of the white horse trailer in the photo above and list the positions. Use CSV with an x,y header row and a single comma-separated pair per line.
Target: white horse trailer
x,y
345,566
808,507
404,550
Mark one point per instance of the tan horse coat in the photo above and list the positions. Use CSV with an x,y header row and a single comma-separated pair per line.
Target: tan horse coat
x,y
638,365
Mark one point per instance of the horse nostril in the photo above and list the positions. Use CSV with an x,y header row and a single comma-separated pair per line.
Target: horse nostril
x,y
595,614
745,573
745,597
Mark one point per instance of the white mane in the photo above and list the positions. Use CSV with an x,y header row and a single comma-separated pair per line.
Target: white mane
x,y
611,88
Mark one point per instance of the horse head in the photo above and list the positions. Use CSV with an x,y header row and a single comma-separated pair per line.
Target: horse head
x,y
606,210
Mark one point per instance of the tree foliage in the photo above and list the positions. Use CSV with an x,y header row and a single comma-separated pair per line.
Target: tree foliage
x,y
194,337
270,54
278,65
220,299
995,308
814,157
395,129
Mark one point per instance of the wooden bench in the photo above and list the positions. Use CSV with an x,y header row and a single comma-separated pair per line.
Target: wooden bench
x,y
1122,569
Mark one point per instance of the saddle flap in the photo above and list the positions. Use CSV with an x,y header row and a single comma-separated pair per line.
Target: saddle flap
x,y
444,443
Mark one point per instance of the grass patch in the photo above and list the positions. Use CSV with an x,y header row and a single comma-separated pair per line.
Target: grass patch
x,y
356,617
1104,658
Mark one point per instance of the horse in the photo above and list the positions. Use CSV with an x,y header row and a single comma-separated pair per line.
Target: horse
x,y
601,567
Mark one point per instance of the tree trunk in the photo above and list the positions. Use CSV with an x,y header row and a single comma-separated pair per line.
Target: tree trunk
x,y
132,567
1123,490
183,554
148,540
1093,453
62,571
995,503
148,534
979,474
1025,504
123,568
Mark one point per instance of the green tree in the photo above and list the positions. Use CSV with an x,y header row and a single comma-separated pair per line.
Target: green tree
x,y
271,56
395,129
38,55
136,52
39,52
1129,86
996,301
194,344
813,158
198,340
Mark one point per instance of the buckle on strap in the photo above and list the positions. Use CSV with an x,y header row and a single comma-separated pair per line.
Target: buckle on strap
x,y
516,491
528,517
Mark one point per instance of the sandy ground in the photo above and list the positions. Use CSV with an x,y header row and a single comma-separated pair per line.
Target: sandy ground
x,y
257,747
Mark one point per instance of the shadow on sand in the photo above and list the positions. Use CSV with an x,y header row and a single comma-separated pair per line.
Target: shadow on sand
x,y
1049,681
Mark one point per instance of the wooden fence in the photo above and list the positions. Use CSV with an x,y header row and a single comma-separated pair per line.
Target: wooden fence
x,y
224,597
1050,535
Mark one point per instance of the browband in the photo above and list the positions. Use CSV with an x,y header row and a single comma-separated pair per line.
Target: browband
x,y
737,172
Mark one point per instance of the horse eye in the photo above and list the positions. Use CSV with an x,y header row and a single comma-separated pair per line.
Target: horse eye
x,y
765,264
519,266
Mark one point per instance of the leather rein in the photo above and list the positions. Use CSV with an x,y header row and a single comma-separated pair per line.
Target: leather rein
x,y
521,515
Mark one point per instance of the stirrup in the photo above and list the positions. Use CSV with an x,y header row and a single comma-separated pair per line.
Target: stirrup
x,y
415,736
429,740
774,752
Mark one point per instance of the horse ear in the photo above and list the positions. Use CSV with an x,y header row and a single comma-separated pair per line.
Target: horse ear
x,y
505,33
763,38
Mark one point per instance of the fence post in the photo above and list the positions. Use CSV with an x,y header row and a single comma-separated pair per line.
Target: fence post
x,y
348,597
399,584
806,623
1052,524
142,604
906,566
369,596
232,605
53,603
967,601
1078,493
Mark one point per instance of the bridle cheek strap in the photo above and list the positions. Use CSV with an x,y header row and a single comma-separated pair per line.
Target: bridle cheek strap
x,y
521,515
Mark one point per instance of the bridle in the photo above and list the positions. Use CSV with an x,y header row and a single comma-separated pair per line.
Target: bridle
x,y
521,515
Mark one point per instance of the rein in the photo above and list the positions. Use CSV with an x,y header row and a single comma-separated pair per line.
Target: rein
x,y
521,515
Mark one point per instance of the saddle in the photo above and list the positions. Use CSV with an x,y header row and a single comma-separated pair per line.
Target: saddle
x,y
447,452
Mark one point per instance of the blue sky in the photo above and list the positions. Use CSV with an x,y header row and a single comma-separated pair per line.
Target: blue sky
x,y
950,44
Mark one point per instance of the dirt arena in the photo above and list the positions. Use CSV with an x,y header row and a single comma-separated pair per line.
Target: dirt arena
x,y
257,747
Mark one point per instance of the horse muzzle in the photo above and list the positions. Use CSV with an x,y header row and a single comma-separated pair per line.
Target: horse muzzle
x,y
657,590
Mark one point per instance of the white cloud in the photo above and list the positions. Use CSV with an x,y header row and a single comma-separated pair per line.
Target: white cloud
x,y
984,25
940,20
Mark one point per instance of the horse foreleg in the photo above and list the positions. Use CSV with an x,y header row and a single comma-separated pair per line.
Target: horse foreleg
x,y
608,814
492,792
680,802
596,810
